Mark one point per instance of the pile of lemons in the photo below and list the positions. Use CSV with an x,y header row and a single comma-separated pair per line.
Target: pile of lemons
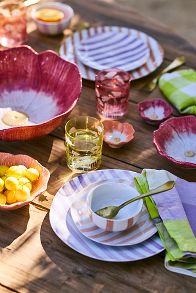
x,y
16,183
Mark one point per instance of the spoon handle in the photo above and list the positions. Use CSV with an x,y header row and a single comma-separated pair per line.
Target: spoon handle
x,y
173,65
162,188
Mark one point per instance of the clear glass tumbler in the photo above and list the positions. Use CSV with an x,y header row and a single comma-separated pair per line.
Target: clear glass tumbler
x,y
83,141
12,23
112,93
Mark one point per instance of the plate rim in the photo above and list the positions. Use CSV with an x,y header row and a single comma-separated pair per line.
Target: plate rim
x,y
91,76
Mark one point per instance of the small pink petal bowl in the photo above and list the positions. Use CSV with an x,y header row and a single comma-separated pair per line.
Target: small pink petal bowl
x,y
42,85
116,133
114,193
39,186
154,111
175,140
53,28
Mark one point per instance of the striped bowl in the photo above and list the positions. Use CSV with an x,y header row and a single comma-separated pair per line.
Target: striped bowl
x,y
53,28
114,193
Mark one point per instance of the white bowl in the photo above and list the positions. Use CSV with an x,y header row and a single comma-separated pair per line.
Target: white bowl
x,y
114,193
53,28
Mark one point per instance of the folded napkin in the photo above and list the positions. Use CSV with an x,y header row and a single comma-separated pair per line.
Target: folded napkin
x,y
179,87
174,214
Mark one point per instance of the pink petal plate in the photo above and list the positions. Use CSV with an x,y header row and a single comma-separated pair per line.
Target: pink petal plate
x,y
116,133
63,225
42,86
154,111
138,233
175,140
68,50
39,186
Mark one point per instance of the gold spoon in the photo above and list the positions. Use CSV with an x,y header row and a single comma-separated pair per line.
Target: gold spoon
x,y
175,63
111,211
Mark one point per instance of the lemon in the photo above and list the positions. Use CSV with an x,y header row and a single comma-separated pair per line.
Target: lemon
x,y
32,174
11,183
16,171
3,170
22,193
25,181
10,196
2,199
1,184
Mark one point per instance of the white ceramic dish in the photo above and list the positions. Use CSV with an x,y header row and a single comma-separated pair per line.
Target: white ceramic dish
x,y
114,193
64,227
53,28
141,231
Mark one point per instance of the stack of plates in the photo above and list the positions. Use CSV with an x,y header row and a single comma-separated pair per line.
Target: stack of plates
x,y
112,47
70,221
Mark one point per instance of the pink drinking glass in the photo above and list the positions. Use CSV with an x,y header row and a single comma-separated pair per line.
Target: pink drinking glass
x,y
12,23
112,93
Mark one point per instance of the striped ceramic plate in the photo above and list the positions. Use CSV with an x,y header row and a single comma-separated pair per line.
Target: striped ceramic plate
x,y
68,50
64,227
113,50
143,230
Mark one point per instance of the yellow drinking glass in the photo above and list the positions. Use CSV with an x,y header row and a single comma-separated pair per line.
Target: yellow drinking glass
x,y
83,141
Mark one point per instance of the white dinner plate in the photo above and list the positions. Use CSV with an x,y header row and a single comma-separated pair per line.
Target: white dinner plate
x,y
113,49
64,227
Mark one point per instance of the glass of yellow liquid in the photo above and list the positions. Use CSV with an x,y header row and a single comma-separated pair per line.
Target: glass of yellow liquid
x,y
83,141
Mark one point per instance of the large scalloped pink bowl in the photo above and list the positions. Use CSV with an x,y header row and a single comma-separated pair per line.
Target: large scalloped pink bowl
x,y
42,85
39,186
175,140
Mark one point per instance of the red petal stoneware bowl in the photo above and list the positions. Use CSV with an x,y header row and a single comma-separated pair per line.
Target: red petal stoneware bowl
x,y
39,186
116,134
176,140
43,86
154,111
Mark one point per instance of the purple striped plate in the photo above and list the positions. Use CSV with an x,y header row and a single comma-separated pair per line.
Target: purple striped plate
x,y
63,225
143,230
68,50
113,50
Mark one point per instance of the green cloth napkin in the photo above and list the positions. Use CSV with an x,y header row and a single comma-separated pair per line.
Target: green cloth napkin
x,y
170,219
179,87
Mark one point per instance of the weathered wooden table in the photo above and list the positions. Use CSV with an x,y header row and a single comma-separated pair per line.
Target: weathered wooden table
x,y
33,259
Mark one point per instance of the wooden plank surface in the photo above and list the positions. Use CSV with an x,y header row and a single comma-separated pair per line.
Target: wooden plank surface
x,y
32,258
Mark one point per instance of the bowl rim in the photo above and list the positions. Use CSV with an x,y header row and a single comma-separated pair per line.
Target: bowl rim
x,y
162,152
20,204
165,103
89,200
61,6
59,115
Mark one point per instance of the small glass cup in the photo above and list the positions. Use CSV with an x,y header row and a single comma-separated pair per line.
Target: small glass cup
x,y
112,93
12,23
83,141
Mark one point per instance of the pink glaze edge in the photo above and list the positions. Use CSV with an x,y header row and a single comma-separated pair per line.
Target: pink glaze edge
x,y
45,175
158,132
152,102
31,132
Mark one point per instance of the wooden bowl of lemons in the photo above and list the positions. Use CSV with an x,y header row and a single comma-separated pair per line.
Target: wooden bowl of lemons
x,y
22,179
